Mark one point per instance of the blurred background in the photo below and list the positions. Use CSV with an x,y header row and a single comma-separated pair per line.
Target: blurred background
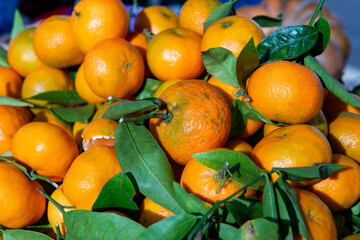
x,y
34,11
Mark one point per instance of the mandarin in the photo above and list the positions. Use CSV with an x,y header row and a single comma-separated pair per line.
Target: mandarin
x,y
285,92
95,20
151,212
175,54
46,116
239,145
10,83
196,118
47,148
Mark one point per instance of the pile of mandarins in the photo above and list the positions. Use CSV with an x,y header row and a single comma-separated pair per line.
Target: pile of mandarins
x,y
93,55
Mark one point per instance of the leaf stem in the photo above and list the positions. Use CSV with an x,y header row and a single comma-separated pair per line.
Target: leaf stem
x,y
59,236
319,7
57,205
34,176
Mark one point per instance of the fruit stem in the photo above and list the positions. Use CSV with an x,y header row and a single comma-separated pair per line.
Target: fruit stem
x,y
319,7
57,205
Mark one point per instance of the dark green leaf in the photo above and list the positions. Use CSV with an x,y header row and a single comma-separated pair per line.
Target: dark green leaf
x,y
356,208
356,220
3,58
253,114
117,194
77,114
284,217
266,21
287,43
238,120
356,90
189,201
221,63
170,228
220,12
60,97
324,37
229,232
83,224
242,168
331,84
270,210
148,89
18,234
290,198
318,171
243,209
121,109
18,24
259,229
14,102
247,62
139,154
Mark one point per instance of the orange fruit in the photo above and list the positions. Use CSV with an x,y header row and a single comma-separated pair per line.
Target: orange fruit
x,y
285,92
352,237
99,132
317,217
11,120
229,92
88,174
335,191
175,54
10,83
344,134
21,54
47,116
150,212
114,68
193,14
333,105
204,183
199,119
102,109
54,43
83,89
21,203
96,20
232,33
53,213
141,42
292,146
156,19
45,79
45,147
239,145
78,127
164,86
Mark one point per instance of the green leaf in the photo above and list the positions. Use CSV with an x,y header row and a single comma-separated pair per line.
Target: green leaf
x,y
270,210
148,89
18,234
3,58
170,228
287,43
242,168
221,63
253,114
139,154
290,198
356,208
77,114
256,229
266,21
284,217
14,102
117,194
189,201
67,98
238,120
121,109
83,224
324,36
18,24
330,83
220,12
243,209
247,62
318,171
